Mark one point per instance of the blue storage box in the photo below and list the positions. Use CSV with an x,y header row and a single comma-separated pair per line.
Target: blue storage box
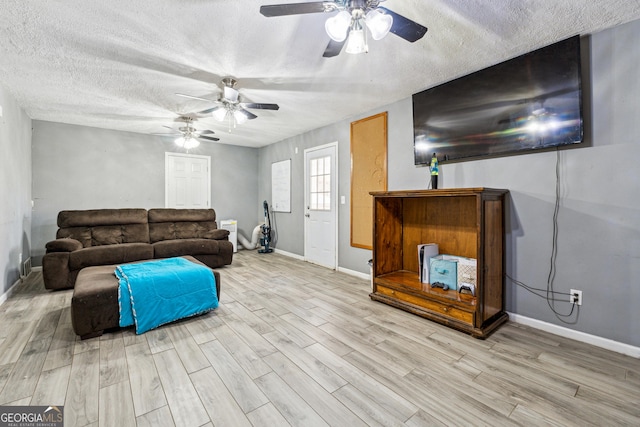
x,y
444,269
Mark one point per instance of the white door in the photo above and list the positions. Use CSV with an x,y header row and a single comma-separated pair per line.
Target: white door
x,y
321,205
187,181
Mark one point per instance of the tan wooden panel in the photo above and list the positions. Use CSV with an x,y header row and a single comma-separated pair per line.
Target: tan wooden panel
x,y
368,173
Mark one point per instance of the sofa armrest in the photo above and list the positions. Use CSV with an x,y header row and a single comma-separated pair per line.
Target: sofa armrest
x,y
63,245
217,234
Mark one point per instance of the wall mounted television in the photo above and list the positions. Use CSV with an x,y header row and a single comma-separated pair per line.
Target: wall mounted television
x,y
527,103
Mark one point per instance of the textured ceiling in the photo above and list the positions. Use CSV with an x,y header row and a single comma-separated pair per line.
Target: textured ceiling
x,y
118,64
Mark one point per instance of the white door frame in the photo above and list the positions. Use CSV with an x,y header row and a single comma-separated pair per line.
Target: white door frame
x,y
166,174
334,196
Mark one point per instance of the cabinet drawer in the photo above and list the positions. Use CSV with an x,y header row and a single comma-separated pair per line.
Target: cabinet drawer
x,y
443,309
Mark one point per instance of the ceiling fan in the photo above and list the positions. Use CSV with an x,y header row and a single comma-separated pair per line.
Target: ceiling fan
x,y
229,107
348,26
189,136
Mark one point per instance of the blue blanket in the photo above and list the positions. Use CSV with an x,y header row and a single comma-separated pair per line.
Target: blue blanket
x,y
156,292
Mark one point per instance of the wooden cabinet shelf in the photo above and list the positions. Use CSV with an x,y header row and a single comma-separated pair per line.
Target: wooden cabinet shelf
x,y
467,222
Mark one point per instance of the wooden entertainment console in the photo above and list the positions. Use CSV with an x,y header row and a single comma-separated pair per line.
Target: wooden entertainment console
x,y
466,222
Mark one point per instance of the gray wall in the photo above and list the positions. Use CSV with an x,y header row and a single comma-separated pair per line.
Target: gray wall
x,y
290,226
78,167
599,217
15,188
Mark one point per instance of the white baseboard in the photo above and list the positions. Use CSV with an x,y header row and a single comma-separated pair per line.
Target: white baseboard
x,y
597,341
9,292
289,254
365,276
340,269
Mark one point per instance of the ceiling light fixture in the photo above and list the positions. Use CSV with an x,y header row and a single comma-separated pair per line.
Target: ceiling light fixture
x,y
219,114
338,26
378,23
231,109
232,115
187,142
189,137
351,24
357,42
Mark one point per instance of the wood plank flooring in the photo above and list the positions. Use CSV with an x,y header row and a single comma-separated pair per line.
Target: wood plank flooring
x,y
297,344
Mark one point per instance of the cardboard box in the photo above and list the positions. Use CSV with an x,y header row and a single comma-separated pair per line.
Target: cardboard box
x,y
425,252
467,270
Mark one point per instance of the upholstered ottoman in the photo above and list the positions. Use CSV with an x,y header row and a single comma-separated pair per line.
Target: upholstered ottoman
x,y
94,305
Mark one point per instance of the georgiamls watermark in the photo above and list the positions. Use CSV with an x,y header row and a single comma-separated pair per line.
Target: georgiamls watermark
x,y
31,416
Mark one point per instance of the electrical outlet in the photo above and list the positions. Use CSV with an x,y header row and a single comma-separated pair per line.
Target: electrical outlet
x,y
575,296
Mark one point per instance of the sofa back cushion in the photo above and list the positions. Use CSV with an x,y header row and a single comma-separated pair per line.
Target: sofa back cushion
x,y
104,226
170,224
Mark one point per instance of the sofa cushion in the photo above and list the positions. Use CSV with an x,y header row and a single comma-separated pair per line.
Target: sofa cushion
x,y
104,226
94,217
81,234
106,234
179,247
181,215
109,254
185,230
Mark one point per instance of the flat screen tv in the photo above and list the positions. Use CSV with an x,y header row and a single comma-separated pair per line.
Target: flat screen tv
x,y
530,102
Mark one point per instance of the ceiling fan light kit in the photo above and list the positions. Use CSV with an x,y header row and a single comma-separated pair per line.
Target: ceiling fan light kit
x,y
348,26
219,114
240,117
378,23
357,42
337,26
186,142
229,107
189,137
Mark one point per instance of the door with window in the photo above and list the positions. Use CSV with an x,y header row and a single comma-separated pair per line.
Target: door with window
x,y
187,181
321,210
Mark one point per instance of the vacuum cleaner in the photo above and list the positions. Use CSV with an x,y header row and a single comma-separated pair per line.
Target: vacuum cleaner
x,y
265,240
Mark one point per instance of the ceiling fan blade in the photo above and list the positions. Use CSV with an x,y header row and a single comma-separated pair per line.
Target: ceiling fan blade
x,y
169,127
249,114
209,138
405,27
333,48
205,132
259,106
195,97
210,110
297,8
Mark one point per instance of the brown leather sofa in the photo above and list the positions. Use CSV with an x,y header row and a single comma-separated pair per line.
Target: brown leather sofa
x,y
114,236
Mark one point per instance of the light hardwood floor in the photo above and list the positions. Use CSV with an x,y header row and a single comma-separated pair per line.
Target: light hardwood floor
x,y
296,344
